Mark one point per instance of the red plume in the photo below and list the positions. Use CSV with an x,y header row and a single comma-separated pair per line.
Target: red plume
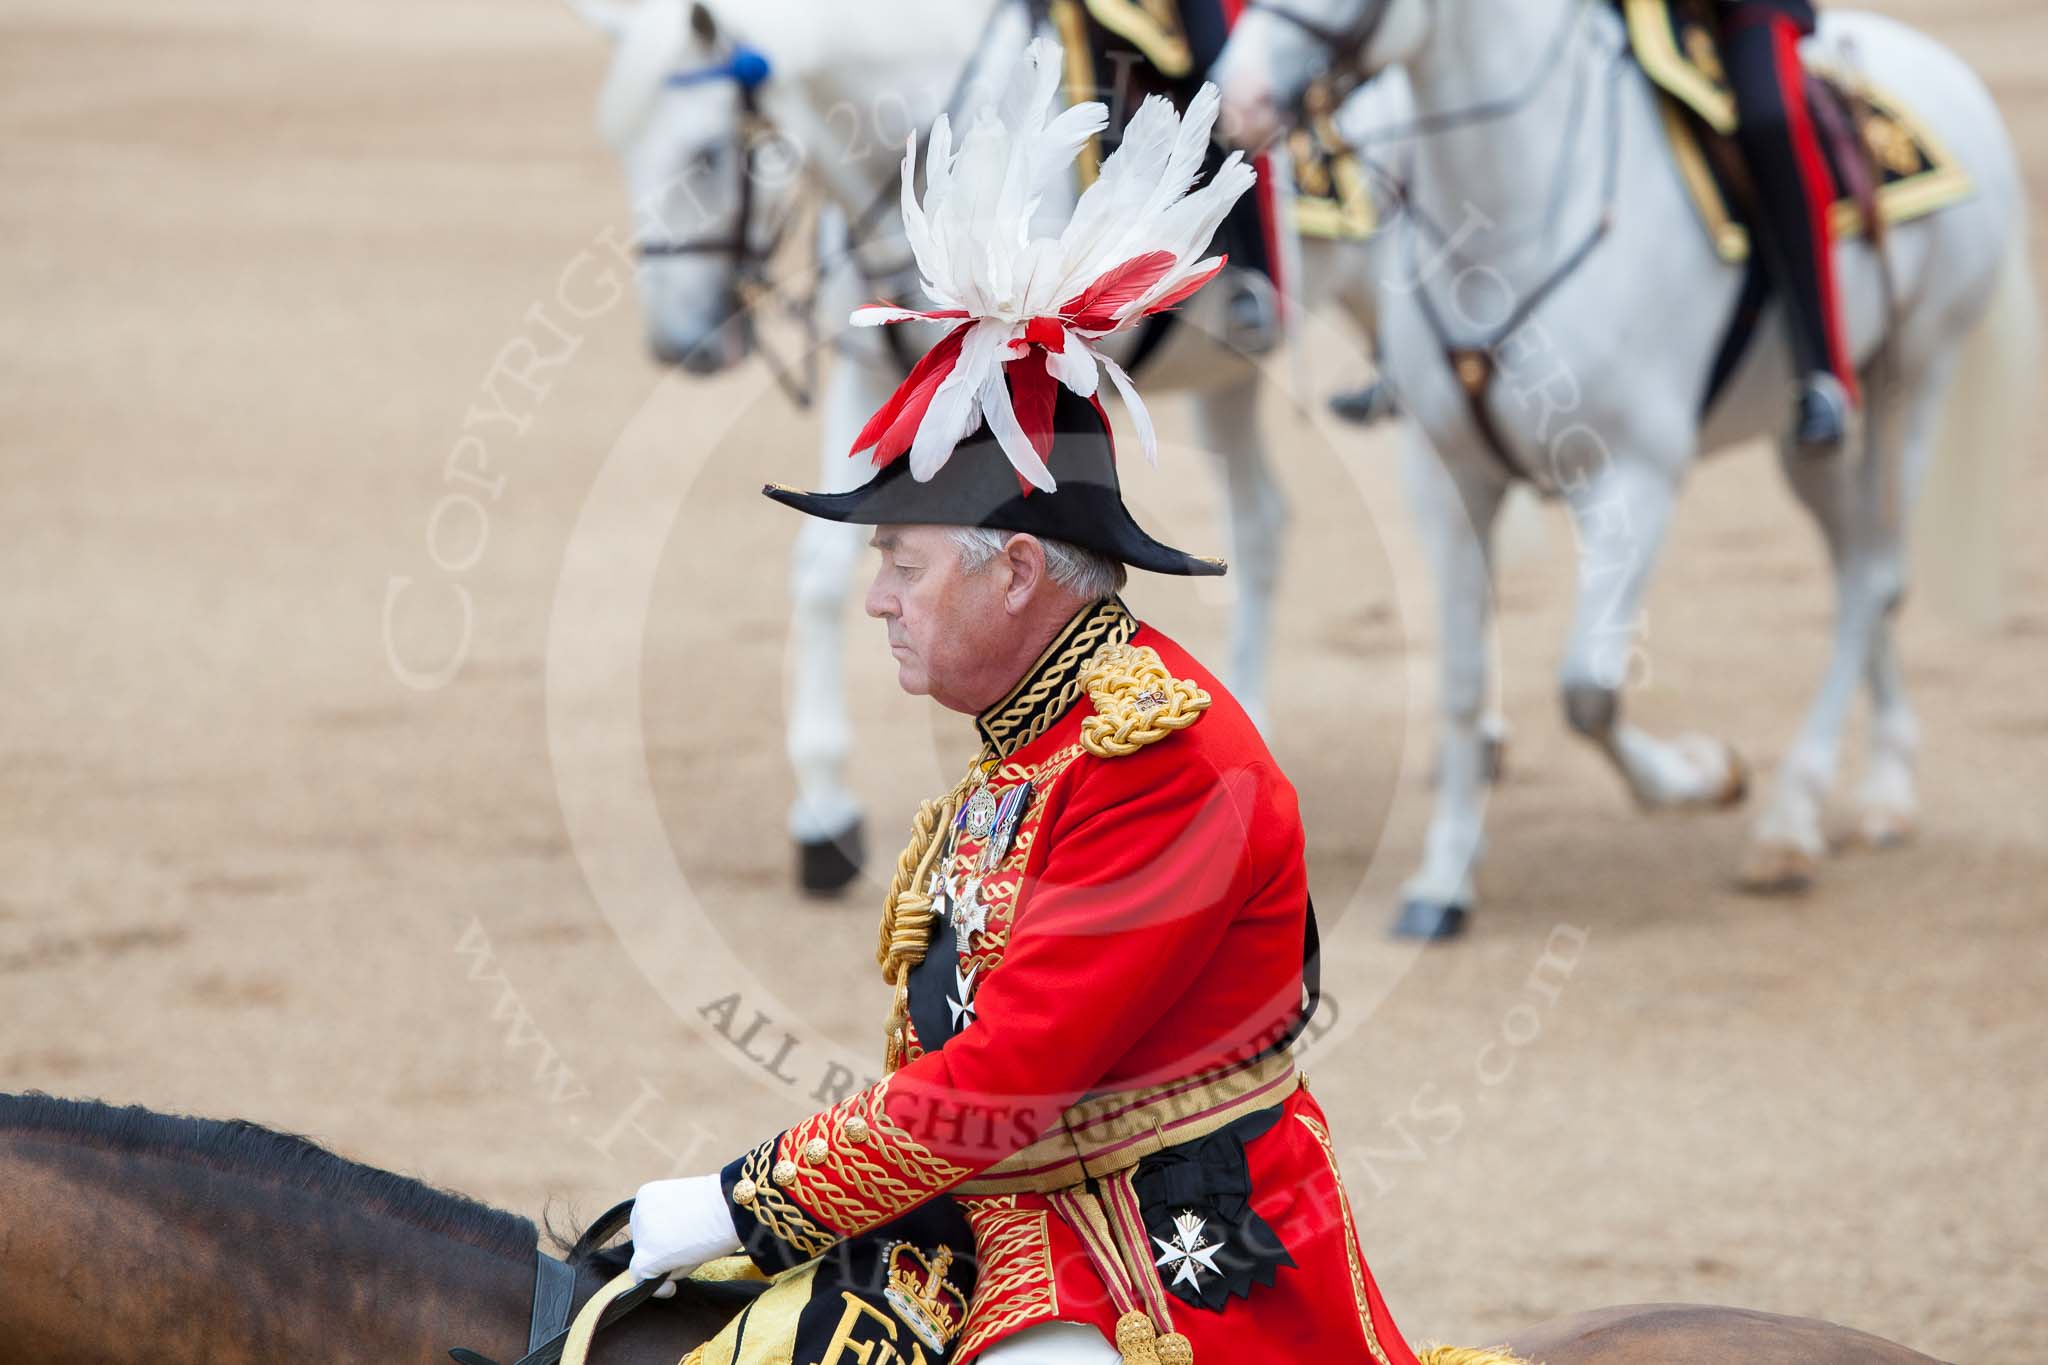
x,y
1094,308
894,426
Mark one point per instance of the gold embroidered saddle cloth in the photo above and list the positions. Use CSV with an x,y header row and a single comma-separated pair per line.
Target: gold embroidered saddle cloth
x,y
899,1295
1332,190
1676,43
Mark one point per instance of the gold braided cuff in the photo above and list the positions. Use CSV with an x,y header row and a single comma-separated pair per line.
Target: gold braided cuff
x,y
775,1229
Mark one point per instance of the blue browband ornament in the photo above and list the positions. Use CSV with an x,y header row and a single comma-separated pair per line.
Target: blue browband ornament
x,y
747,68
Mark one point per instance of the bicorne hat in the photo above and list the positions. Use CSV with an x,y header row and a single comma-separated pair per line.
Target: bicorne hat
x,y
1000,424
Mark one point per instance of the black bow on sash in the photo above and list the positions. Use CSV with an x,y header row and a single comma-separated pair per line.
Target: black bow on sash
x,y
1196,1201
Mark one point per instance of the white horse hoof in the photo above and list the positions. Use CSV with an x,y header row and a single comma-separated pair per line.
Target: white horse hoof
x,y
1719,778
1494,759
1776,868
1735,785
826,867
1882,827
1431,921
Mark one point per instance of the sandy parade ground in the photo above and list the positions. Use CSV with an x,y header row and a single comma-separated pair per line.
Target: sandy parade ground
x,y
526,926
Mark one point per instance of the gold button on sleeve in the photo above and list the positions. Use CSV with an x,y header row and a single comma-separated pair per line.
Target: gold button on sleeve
x,y
856,1129
743,1191
816,1150
784,1172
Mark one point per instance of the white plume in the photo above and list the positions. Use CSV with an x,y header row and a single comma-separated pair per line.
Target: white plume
x,y
981,266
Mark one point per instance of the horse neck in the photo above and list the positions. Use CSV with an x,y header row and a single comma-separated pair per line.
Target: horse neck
x,y
112,1256
1525,178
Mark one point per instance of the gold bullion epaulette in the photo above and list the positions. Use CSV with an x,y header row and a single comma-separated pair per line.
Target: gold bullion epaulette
x,y
1137,702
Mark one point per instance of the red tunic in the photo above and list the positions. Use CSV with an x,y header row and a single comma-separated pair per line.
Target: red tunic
x,y
1140,920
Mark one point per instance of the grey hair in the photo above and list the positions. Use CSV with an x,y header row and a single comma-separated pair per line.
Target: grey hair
x,y
1081,572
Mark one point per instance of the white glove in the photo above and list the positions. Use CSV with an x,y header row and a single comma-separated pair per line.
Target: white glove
x,y
677,1226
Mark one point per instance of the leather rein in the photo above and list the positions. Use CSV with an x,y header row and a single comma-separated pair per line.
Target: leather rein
x,y
554,1295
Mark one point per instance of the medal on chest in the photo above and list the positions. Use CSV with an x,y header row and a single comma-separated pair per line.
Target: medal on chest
x,y
1009,812
978,816
968,914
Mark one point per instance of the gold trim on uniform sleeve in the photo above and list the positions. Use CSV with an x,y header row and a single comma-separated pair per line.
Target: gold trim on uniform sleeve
x,y
857,1186
782,1217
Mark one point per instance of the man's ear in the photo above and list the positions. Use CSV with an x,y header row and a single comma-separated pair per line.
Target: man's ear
x,y
1024,557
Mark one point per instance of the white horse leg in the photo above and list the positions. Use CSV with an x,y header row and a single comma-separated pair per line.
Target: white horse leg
x,y
1455,508
1859,507
1888,808
1621,514
1787,843
1229,419
1887,804
825,818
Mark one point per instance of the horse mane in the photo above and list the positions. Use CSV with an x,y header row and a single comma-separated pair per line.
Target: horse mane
x,y
283,1158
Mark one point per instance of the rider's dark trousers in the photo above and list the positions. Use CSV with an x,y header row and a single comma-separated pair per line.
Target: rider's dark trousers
x,y
1760,48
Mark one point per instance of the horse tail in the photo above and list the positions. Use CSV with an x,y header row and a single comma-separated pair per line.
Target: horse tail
x,y
1987,413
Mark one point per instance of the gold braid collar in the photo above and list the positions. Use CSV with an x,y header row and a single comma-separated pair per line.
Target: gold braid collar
x,y
1137,702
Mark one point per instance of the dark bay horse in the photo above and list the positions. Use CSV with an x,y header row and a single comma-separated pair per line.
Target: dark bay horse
x,y
131,1236
127,1235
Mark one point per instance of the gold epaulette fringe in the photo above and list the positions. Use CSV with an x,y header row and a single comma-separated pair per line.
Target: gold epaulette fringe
x,y
1137,702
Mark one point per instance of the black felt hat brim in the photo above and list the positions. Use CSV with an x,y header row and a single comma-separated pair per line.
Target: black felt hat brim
x,y
978,487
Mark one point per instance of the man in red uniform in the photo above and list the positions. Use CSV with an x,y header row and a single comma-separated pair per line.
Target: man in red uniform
x,y
1091,1143
1097,942
1760,49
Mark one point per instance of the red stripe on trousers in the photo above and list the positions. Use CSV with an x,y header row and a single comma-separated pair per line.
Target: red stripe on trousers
x,y
1813,173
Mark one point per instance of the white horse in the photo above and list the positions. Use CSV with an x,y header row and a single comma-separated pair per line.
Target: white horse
x,y
833,92
1545,133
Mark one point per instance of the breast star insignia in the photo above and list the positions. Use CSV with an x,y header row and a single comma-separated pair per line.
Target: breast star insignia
x,y
962,1001
1187,1254
969,915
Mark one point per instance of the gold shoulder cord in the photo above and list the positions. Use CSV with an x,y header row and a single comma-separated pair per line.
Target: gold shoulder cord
x,y
907,912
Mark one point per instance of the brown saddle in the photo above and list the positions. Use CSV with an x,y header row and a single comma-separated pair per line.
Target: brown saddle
x,y
1888,167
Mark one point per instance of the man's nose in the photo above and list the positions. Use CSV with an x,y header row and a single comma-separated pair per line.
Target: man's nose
x,y
876,604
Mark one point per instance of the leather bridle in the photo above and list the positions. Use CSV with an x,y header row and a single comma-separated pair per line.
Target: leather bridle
x,y
746,69
753,284
745,249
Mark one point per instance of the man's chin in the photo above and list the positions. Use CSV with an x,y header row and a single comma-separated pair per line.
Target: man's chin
x,y
912,679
